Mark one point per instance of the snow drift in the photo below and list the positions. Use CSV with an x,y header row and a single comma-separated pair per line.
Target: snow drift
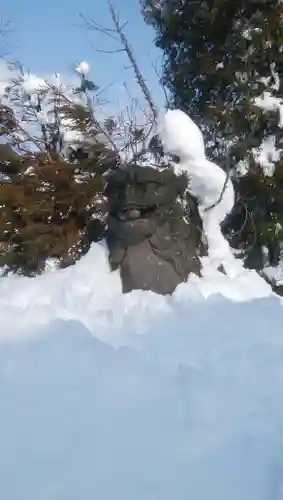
x,y
138,396
89,293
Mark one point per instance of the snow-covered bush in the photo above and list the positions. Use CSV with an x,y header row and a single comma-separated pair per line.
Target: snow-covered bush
x,y
54,153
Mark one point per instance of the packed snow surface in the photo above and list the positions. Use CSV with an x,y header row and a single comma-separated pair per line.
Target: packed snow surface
x,y
112,396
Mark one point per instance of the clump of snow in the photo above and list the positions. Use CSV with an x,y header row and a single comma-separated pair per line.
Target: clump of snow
x,y
242,76
29,170
274,76
138,396
220,65
267,155
267,102
32,84
181,136
71,137
242,167
83,68
51,265
248,32
274,274
208,183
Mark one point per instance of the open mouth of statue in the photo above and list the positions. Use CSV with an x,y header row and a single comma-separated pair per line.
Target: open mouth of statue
x,y
136,212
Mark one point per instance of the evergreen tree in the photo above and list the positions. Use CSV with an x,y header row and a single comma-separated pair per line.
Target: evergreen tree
x,y
223,64
52,160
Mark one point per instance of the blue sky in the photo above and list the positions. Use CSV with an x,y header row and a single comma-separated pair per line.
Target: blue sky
x,y
47,36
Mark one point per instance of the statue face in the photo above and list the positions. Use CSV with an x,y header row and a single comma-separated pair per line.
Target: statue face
x,y
133,198
138,192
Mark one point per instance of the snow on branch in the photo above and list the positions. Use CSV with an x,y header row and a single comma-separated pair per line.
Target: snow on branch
x,y
48,116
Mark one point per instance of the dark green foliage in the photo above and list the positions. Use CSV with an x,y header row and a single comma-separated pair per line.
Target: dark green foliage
x,y
51,197
219,56
48,212
258,217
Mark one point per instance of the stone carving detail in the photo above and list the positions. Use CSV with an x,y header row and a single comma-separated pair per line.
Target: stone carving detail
x,y
147,235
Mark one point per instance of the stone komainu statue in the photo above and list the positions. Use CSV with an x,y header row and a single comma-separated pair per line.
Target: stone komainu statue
x,y
147,235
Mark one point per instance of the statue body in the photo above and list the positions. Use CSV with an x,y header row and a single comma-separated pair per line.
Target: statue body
x,y
148,238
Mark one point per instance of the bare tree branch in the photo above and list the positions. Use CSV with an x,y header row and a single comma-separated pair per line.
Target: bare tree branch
x,y
93,25
228,172
5,30
154,66
140,79
117,33
114,51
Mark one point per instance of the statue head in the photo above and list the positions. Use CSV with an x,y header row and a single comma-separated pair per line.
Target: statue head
x,y
139,198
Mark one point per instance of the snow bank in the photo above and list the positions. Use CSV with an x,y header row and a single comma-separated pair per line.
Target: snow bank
x,y
90,294
182,400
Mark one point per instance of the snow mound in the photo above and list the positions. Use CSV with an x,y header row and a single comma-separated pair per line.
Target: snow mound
x,y
182,399
88,292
